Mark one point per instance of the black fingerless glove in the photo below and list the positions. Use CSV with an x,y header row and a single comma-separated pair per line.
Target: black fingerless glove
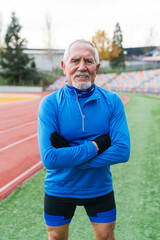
x,y
58,141
103,142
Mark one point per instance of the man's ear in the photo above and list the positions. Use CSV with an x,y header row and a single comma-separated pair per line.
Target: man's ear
x,y
63,66
97,67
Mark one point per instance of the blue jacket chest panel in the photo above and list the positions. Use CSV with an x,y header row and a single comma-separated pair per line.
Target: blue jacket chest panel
x,y
71,122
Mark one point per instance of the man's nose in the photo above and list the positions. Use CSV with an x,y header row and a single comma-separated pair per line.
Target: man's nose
x,y
82,66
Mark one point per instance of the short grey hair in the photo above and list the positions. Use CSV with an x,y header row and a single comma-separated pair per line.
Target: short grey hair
x,y
66,52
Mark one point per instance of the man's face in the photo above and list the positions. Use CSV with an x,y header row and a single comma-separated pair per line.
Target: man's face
x,y
80,68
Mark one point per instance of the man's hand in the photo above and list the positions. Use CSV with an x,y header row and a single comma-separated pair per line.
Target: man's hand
x,y
58,141
103,142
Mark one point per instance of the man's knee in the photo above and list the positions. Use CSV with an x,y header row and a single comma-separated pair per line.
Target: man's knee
x,y
58,233
52,235
108,235
104,231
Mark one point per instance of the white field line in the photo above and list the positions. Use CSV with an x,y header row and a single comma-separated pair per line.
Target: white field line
x,y
16,143
20,112
22,125
17,118
20,176
23,110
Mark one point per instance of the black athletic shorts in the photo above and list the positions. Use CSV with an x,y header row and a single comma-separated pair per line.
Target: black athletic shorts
x,y
59,211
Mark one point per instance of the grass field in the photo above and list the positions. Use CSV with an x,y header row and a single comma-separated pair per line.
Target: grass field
x,y
136,186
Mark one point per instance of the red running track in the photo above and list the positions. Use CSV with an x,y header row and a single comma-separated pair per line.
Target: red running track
x,y
19,153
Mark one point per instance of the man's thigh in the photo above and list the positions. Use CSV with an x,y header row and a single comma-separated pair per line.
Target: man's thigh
x,y
101,209
102,214
58,211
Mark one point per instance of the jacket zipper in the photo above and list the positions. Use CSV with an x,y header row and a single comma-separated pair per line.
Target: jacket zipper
x,y
83,116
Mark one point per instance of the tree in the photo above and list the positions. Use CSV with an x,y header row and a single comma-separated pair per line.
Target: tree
x,y
106,48
102,43
16,64
150,40
119,60
0,30
48,31
49,40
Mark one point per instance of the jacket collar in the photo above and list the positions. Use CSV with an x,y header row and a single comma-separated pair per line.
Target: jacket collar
x,y
82,93
70,92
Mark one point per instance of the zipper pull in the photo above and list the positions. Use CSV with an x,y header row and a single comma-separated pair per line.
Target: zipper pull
x,y
83,117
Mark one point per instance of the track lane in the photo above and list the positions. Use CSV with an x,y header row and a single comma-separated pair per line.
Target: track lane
x,y
16,164
11,123
19,126
19,153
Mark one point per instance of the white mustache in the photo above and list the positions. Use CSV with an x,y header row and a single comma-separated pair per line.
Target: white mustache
x,y
83,74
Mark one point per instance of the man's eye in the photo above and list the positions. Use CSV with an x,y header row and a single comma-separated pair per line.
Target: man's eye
x,y
89,61
75,60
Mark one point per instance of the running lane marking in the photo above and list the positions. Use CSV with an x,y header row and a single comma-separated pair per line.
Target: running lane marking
x,y
16,143
20,176
18,118
22,125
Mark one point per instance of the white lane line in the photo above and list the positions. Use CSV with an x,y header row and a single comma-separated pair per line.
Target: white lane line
x,y
17,118
22,125
13,144
20,176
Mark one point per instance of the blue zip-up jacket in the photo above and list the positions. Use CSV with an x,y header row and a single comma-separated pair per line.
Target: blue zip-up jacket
x,y
78,171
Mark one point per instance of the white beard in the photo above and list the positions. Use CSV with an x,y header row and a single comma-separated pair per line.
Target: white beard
x,y
81,85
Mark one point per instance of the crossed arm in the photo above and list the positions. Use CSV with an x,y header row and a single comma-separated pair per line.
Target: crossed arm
x,y
97,153
101,143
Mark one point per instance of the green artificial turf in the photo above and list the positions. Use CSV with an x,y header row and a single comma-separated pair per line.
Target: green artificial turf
x,y
136,183
136,186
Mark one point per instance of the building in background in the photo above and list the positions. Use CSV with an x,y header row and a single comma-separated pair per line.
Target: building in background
x,y
46,60
135,58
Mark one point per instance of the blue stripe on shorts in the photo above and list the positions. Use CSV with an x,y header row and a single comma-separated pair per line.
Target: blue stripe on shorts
x,y
104,217
55,221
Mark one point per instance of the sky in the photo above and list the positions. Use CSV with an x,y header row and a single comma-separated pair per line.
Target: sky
x,y
71,19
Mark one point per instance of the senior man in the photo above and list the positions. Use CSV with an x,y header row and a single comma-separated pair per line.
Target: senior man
x,y
82,130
